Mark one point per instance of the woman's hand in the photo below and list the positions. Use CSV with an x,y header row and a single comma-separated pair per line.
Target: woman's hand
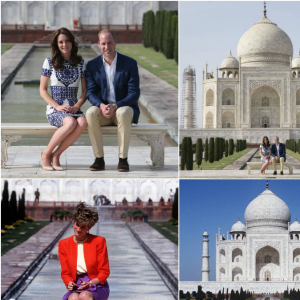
x,y
63,108
71,285
84,285
73,109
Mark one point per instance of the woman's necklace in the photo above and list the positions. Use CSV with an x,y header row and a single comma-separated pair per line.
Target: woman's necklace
x,y
80,242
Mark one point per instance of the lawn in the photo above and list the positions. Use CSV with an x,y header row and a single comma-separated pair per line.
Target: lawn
x,y
153,61
225,161
4,48
166,229
293,154
17,236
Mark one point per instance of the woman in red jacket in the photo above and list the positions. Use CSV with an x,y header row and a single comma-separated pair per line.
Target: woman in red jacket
x,y
84,260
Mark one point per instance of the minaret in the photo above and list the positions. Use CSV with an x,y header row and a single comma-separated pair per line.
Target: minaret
x,y
189,99
205,258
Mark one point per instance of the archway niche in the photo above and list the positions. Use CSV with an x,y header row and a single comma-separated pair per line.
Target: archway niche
x,y
237,255
35,13
115,13
10,12
222,274
222,256
209,98
267,259
62,15
298,120
88,13
296,256
228,120
209,120
265,101
298,97
228,97
296,274
237,274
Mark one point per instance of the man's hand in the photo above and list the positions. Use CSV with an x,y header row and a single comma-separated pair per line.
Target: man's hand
x,y
277,157
107,110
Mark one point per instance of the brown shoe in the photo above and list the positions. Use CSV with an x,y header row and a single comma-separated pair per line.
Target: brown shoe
x,y
281,173
123,165
275,173
98,165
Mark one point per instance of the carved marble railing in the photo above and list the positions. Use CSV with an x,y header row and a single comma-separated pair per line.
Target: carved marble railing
x,y
153,134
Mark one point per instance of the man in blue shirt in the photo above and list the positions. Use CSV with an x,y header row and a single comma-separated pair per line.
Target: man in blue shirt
x,y
278,155
113,90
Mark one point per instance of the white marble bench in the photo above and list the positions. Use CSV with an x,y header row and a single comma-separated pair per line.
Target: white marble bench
x,y
153,134
258,163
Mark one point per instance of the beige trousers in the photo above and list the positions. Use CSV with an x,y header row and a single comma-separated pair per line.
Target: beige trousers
x,y
122,118
274,161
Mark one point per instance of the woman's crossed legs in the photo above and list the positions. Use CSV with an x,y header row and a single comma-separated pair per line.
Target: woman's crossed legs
x,y
64,136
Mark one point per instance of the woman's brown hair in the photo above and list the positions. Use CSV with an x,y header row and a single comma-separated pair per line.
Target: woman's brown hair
x,y
266,144
85,215
57,58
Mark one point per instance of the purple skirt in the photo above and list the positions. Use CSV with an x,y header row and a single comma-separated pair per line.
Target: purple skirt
x,y
100,292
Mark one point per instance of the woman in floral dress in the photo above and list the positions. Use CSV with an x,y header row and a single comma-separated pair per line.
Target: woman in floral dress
x,y
64,71
265,154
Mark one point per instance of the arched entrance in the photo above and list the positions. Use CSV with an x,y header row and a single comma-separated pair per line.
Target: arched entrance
x,y
62,16
222,274
222,256
228,97
265,102
267,264
237,255
209,98
209,120
298,120
296,274
228,120
237,274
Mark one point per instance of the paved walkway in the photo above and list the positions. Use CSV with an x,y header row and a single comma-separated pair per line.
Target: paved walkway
x,y
12,60
17,260
159,98
24,161
132,275
237,164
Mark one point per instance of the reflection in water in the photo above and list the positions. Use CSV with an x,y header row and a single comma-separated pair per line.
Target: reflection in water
x,y
23,103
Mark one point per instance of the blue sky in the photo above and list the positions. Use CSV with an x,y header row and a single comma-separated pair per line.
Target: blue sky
x,y
210,29
210,204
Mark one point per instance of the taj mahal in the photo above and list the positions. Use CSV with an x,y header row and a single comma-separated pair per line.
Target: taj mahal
x,y
262,255
255,94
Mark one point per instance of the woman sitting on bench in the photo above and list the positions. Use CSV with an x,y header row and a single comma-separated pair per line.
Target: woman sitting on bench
x,y
265,153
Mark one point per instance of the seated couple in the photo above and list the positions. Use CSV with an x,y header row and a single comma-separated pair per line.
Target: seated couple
x,y
272,155
110,82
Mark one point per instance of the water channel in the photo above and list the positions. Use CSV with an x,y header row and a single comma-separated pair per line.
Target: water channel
x,y
22,103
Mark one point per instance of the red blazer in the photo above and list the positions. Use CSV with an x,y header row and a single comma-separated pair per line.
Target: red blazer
x,y
95,256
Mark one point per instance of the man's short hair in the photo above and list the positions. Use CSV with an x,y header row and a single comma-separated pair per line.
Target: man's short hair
x,y
276,137
106,31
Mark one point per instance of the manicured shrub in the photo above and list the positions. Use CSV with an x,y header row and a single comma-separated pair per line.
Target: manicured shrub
x,y
206,150
175,206
5,206
299,146
237,146
199,151
287,144
189,159
21,207
13,211
231,147
160,38
175,37
183,153
211,150
156,30
295,146
226,148
217,149
221,148
168,42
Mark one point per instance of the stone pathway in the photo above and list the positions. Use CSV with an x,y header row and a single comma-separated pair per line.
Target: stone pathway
x,y
12,60
237,164
236,174
23,161
132,275
158,97
17,260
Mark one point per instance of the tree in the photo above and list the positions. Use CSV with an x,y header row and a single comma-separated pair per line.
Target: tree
x,y
199,152
217,149
21,207
221,148
227,295
150,30
299,146
13,212
168,42
237,146
175,206
160,38
183,153
211,150
206,150
5,205
189,158
176,40
226,148
231,146
156,30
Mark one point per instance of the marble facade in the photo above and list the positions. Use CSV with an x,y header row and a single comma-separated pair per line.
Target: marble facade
x,y
73,190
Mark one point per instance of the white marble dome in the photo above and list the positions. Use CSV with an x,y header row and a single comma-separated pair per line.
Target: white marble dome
x,y
267,210
296,62
265,43
205,233
189,71
230,62
238,227
295,226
